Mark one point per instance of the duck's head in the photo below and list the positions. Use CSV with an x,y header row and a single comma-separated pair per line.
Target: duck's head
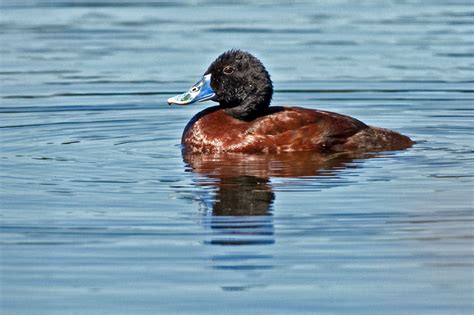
x,y
237,81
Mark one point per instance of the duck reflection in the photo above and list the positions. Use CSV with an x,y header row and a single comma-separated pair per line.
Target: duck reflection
x,y
240,212
244,195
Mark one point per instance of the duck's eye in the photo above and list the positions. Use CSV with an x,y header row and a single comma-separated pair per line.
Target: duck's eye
x,y
194,89
228,70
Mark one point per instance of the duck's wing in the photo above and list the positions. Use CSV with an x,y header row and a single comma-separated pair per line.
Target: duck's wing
x,y
298,129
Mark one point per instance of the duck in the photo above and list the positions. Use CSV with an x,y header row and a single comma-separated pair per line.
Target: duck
x,y
244,122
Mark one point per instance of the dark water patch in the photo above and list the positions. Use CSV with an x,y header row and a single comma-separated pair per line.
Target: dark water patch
x,y
143,22
332,43
251,30
104,81
95,4
241,257
71,142
74,108
40,72
81,77
87,94
466,13
68,123
458,55
239,242
65,30
244,267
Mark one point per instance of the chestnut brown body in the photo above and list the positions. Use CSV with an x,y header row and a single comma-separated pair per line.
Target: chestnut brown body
x,y
286,129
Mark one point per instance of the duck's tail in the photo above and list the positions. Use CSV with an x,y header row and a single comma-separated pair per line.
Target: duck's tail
x,y
378,139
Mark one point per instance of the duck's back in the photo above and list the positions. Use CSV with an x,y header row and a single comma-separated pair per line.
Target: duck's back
x,y
286,129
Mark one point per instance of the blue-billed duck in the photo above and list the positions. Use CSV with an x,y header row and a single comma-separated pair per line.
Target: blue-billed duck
x,y
245,122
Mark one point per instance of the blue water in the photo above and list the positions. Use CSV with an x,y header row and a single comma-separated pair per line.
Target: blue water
x,y
101,214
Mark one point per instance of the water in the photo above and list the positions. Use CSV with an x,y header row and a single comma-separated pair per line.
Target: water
x,y
100,212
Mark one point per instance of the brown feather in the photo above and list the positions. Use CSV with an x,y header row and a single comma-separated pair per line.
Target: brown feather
x,y
286,129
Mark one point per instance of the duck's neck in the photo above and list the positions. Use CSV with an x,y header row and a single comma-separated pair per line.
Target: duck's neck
x,y
246,111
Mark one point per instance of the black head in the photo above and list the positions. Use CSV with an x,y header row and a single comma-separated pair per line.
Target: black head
x,y
241,84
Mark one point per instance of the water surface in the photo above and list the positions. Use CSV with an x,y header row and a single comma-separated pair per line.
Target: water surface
x,y
101,213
